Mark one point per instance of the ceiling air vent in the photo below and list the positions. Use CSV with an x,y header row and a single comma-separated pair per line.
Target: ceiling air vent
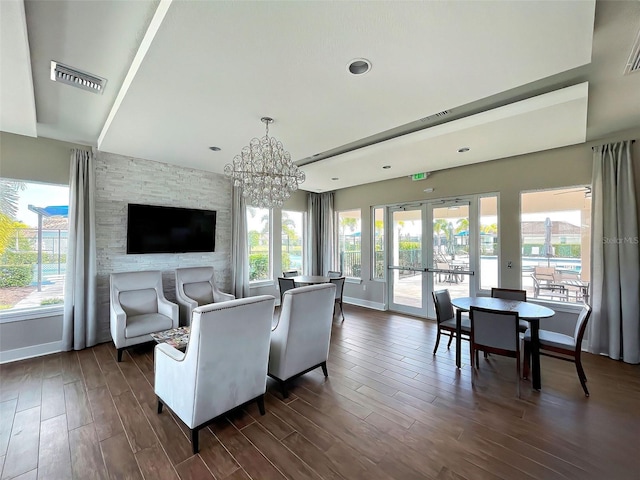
x,y
77,78
441,114
633,64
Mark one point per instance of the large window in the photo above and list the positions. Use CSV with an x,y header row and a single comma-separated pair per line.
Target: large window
x,y
349,250
292,241
378,244
488,235
259,229
555,241
33,244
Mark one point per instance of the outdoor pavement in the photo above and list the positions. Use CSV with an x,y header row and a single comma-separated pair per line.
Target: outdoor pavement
x,y
53,289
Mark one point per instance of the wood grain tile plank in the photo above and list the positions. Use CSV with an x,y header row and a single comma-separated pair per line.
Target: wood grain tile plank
x,y
52,365
137,428
22,453
312,456
91,372
53,397
312,432
215,456
285,460
154,464
193,468
77,405
54,456
119,458
32,475
246,454
70,366
30,394
86,456
237,475
348,428
7,412
175,443
105,416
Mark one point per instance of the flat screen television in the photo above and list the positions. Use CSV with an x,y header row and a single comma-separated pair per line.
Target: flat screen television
x,y
156,229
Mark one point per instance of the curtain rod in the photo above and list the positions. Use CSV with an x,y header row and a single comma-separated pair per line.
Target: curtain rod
x,y
595,146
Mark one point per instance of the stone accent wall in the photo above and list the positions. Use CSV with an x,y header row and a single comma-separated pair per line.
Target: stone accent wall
x,y
122,180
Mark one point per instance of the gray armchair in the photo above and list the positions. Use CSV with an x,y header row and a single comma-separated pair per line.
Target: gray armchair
x,y
138,308
196,286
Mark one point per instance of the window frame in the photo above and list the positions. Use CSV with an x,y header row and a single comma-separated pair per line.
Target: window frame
x,y
336,261
12,314
270,279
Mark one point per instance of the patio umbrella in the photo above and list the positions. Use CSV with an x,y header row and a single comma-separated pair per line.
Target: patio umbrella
x,y
548,249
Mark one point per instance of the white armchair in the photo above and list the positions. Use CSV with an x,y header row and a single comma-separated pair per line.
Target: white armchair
x,y
139,308
196,286
300,340
224,366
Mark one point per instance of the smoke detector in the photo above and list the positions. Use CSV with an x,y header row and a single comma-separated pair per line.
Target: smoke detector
x,y
77,78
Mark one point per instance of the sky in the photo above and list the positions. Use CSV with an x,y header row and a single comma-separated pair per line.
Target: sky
x,y
40,195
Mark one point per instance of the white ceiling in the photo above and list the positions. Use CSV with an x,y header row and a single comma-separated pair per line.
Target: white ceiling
x,y
186,75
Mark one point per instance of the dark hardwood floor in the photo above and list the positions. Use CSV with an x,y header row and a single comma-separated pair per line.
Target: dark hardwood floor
x,y
389,410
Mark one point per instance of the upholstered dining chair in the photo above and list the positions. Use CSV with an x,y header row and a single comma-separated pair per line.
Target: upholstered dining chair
x,y
300,340
138,308
285,284
224,365
334,274
290,273
196,286
446,318
560,346
339,283
512,294
495,331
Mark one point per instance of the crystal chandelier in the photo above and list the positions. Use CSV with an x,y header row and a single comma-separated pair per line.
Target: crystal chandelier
x,y
264,171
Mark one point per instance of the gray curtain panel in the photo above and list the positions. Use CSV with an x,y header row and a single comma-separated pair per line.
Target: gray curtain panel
x,y
615,260
321,250
239,247
79,328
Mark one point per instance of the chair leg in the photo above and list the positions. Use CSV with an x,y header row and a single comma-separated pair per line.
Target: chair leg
x,y
527,360
437,342
120,350
518,374
341,311
160,405
194,440
451,335
473,364
582,376
260,401
283,389
324,369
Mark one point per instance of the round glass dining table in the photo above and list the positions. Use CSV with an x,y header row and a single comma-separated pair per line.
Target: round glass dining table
x,y
530,312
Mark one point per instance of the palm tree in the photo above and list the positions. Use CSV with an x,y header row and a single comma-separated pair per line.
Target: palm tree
x,y
9,197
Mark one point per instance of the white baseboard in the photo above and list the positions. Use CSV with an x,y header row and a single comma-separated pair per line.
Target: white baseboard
x,y
30,352
365,303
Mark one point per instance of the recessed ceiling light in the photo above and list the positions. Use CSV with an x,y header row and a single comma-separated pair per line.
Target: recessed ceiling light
x,y
386,167
215,149
463,149
359,66
335,178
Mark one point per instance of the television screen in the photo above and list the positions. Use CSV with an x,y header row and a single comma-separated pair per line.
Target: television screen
x,y
155,229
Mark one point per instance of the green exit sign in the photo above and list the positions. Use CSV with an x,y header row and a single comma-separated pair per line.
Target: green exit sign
x,y
418,176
